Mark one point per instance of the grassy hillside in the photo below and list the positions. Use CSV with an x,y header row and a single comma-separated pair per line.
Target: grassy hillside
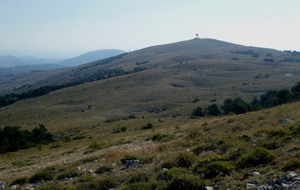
x,y
197,50
228,139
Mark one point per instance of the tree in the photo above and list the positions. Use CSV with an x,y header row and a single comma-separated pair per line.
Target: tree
x,y
296,91
213,110
198,112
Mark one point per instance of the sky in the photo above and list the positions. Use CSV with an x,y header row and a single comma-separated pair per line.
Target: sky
x,y
61,28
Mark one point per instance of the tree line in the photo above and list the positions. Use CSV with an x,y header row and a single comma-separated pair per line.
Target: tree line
x,y
269,99
13,138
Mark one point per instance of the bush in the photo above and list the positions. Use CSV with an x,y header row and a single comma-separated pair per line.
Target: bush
x,y
20,181
198,112
236,153
104,168
292,164
138,177
204,147
86,179
108,183
255,157
207,160
68,174
168,175
89,159
148,126
215,168
185,160
188,182
162,138
138,186
42,176
50,187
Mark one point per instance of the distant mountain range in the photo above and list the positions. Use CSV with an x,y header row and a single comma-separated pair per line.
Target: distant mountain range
x,y
12,65
90,56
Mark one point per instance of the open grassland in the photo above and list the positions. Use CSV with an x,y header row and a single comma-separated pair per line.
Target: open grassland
x,y
159,143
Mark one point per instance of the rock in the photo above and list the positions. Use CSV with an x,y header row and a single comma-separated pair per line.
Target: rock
x,y
132,163
254,173
255,181
286,121
164,169
280,181
209,188
269,175
250,186
265,187
14,187
290,176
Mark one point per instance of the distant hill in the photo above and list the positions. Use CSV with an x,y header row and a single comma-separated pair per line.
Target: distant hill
x,y
11,61
91,56
22,69
224,58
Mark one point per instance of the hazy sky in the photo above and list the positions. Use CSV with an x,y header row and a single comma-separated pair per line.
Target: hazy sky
x,y
78,26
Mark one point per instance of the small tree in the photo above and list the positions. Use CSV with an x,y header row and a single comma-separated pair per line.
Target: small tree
x,y
198,112
213,110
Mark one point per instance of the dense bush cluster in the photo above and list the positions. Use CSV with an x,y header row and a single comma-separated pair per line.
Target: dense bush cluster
x,y
13,138
238,106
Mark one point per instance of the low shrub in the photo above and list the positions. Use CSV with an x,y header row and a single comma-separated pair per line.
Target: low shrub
x,y
96,145
188,182
138,177
89,159
104,168
42,176
108,183
215,168
68,174
168,175
20,181
235,154
292,164
148,126
207,160
79,138
204,147
50,187
162,138
185,160
86,179
255,157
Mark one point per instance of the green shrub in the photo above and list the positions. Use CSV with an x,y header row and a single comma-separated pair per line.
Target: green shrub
x,y
194,134
255,157
104,168
168,175
86,179
292,164
271,144
217,167
295,130
148,126
96,145
187,182
278,133
138,186
89,159
207,160
108,183
88,186
204,147
185,160
20,181
236,153
162,138
42,176
68,174
79,138
50,187
138,177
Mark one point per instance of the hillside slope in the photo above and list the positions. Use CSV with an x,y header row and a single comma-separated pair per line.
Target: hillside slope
x,y
191,51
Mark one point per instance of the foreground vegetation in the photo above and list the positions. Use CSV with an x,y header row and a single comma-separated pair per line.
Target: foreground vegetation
x,y
173,153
